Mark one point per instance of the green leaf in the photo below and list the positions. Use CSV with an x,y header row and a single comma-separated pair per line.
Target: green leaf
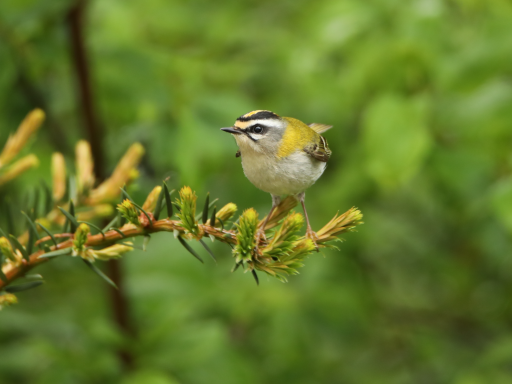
x,y
73,225
35,206
11,228
237,265
30,242
47,232
32,201
198,216
168,203
205,209
48,198
126,195
189,248
31,224
112,223
118,231
255,277
58,252
70,218
395,138
34,276
99,273
208,249
21,248
32,233
213,218
23,287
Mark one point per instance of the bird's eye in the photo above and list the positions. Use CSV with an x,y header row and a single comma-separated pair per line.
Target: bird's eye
x,y
257,129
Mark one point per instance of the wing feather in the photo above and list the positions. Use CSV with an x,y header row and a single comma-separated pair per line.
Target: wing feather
x,y
319,150
319,128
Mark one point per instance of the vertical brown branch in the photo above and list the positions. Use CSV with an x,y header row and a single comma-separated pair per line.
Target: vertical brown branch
x,y
81,64
75,19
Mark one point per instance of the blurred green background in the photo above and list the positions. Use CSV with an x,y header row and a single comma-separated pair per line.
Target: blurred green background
x,y
420,96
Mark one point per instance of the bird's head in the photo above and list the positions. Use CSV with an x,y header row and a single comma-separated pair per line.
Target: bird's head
x,y
259,131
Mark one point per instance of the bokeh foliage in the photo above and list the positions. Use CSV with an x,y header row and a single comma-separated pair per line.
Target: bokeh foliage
x,y
420,96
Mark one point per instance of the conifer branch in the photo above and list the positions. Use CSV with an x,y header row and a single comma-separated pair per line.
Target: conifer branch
x,y
279,253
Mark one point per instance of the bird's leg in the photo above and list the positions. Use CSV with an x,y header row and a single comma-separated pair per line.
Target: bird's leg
x,y
310,234
261,231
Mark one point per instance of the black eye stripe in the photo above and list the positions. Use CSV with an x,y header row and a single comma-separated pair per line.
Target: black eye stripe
x,y
257,128
249,136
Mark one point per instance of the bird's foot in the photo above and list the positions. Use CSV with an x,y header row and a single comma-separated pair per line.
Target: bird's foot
x,y
260,235
310,234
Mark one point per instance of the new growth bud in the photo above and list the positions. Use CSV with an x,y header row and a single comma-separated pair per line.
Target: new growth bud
x,y
81,234
16,142
7,299
187,204
129,212
58,176
226,212
84,167
113,252
338,224
124,173
20,166
150,203
283,240
246,230
5,247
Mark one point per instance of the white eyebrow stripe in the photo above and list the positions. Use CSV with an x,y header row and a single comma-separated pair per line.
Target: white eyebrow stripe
x,y
271,123
266,122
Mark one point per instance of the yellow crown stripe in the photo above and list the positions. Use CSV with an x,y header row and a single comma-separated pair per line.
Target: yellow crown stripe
x,y
253,113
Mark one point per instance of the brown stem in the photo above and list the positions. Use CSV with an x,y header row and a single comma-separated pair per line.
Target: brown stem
x,y
119,299
81,64
12,272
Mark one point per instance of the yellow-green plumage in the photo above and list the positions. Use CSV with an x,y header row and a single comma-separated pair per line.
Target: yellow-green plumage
x,y
297,135
280,155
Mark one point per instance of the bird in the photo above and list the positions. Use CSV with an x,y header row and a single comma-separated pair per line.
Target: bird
x,y
281,156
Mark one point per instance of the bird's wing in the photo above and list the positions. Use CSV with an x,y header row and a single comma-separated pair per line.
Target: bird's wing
x,y
319,128
319,150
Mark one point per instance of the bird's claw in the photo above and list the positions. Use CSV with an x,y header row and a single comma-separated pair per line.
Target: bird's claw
x,y
260,235
310,234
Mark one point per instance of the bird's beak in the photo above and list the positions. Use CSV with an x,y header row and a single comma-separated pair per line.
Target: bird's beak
x,y
232,130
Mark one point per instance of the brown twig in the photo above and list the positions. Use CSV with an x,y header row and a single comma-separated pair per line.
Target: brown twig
x,y
12,271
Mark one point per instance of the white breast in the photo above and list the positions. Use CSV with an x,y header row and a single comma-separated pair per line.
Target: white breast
x,y
285,176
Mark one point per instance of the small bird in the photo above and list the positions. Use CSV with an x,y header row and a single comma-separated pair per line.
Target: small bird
x,y
281,156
